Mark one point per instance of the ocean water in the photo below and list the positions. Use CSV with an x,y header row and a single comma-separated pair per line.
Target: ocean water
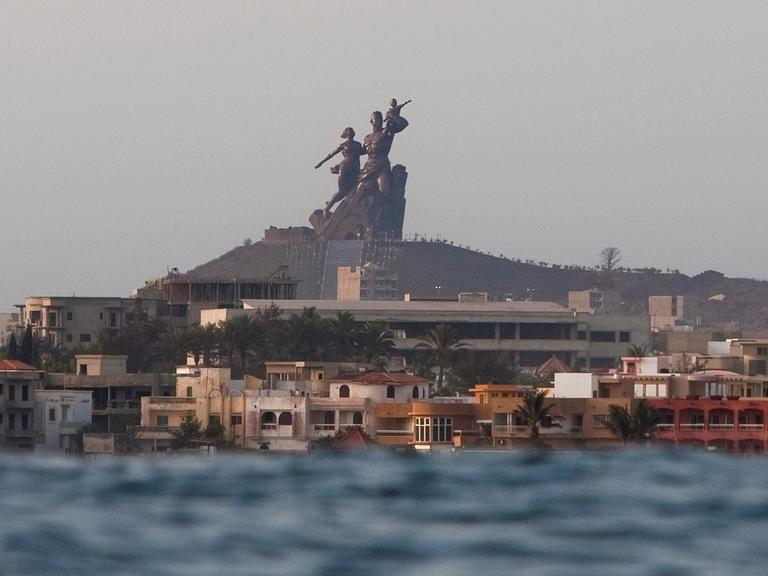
x,y
639,512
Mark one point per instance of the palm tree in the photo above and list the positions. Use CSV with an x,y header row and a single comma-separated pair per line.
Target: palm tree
x,y
635,427
534,412
241,334
637,351
443,341
345,333
375,343
308,336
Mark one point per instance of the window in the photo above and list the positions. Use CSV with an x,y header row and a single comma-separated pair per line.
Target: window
x,y
214,420
11,421
285,419
113,319
69,337
83,369
52,414
52,318
605,392
602,336
11,392
64,412
25,421
236,419
1,418
34,317
762,351
357,419
25,393
623,336
85,338
101,315
162,420
189,391
415,392
598,420
329,418
343,391
268,421
434,429
390,391
581,335
319,375
69,316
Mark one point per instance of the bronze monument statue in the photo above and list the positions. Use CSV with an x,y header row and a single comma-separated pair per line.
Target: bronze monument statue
x,y
348,169
372,200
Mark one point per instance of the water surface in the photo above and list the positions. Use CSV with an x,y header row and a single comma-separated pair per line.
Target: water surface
x,y
625,512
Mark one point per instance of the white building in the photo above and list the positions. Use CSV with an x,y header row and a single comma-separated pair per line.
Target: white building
x,y
60,416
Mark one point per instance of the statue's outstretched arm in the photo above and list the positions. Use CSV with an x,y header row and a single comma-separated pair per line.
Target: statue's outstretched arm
x,y
331,155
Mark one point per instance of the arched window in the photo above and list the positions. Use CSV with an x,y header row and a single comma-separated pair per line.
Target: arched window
x,y
268,421
268,417
329,418
357,419
286,419
415,393
343,391
390,391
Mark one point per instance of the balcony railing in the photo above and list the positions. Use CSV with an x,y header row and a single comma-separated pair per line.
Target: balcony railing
x,y
394,432
170,400
665,426
752,426
692,426
323,427
726,426
269,426
504,429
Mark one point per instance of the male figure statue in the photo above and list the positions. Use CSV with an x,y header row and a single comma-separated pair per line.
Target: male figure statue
x,y
347,169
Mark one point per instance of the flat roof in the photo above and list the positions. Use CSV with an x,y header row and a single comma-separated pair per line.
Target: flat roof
x,y
414,305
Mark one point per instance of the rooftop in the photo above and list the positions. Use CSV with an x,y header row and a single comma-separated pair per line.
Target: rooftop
x,y
14,365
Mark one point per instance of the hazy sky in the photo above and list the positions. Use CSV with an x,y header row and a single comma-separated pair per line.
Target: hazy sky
x,y
137,136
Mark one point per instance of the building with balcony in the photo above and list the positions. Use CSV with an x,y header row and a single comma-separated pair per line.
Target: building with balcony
x,y
116,393
532,331
18,381
60,416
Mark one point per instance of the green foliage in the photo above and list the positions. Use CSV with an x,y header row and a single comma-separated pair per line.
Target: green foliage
x,y
375,343
633,427
534,412
27,350
636,351
13,348
472,367
189,429
214,431
443,341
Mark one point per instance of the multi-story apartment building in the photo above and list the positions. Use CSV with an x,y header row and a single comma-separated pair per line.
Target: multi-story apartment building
x,y
9,322
18,381
60,417
532,331
116,393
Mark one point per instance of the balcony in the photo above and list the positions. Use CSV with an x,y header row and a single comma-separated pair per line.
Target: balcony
x,y
69,427
665,426
507,429
752,427
692,426
324,427
726,426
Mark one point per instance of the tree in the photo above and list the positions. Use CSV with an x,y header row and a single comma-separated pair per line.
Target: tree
x,y
27,349
472,367
688,364
239,336
609,258
636,351
13,347
375,343
443,341
307,335
534,412
635,427
345,334
189,429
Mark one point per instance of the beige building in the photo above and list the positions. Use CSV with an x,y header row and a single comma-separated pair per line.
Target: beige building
x,y
367,282
666,311
116,393
594,301
9,322
532,331
18,381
